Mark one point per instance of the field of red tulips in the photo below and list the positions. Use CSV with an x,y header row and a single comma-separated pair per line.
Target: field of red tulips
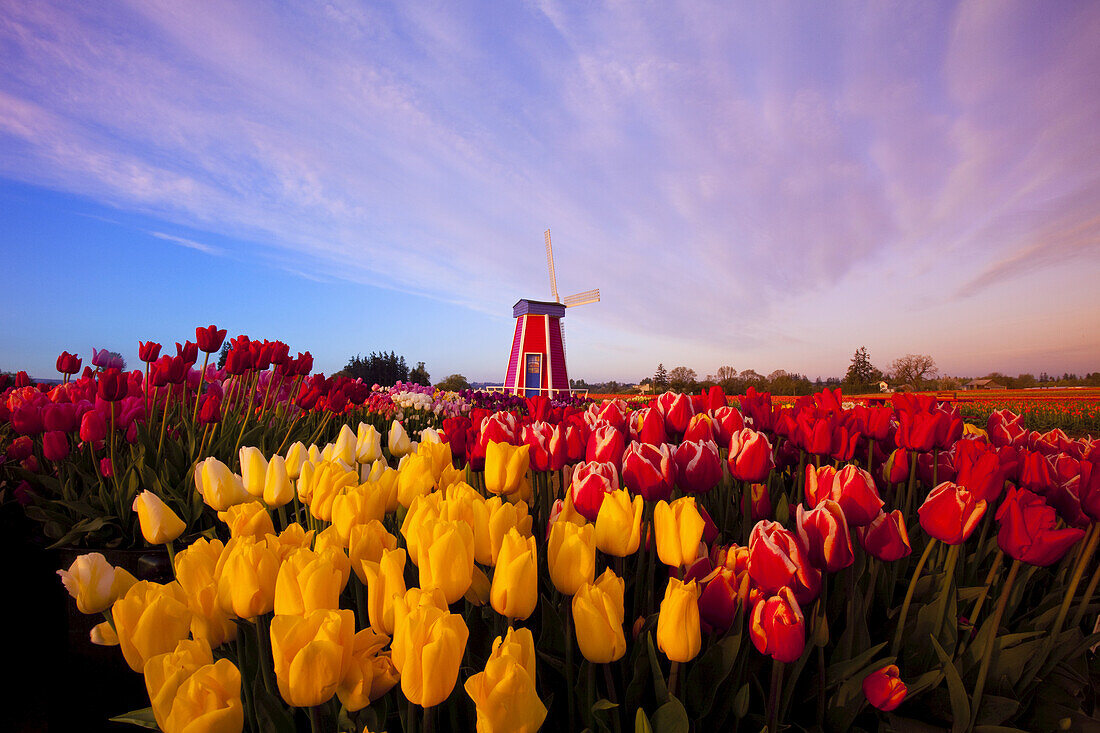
x,y
350,558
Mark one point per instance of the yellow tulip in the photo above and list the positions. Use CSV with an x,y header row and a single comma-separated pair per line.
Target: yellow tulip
x,y
398,441
504,516
315,456
414,478
103,634
422,508
159,524
196,573
90,580
295,456
619,524
290,539
278,489
598,619
355,689
515,589
164,674
312,654
246,573
368,444
384,580
253,470
383,482
367,543
678,634
250,519
679,528
438,455
208,700
327,481
220,488
150,620
344,448
446,556
307,581
451,476
505,467
357,506
567,512
504,694
427,649
571,554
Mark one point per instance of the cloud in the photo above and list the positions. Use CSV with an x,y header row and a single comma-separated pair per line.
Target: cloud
x,y
189,243
701,164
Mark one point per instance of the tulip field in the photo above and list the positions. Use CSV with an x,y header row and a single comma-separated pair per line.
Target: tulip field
x,y
347,557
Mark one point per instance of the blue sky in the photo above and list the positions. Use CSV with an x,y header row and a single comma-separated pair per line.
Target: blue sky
x,y
761,185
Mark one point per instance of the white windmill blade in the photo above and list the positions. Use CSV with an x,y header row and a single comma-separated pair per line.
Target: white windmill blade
x,y
550,266
588,296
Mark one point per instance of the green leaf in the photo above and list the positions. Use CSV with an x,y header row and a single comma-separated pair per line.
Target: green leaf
x,y
708,672
271,714
671,717
603,704
995,709
141,718
841,671
960,701
741,701
641,723
659,686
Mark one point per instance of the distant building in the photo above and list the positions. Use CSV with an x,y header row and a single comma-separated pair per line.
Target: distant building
x,y
643,388
982,384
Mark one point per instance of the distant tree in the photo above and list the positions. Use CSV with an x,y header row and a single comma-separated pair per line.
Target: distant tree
x,y
419,375
660,378
682,379
782,383
861,371
913,369
223,354
453,383
751,376
381,368
725,373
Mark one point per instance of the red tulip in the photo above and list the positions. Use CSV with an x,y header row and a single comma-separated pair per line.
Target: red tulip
x,y
567,445
238,361
824,533
148,351
917,430
1088,487
698,466
896,469
537,436
1029,529
719,599
700,427
727,421
652,430
1035,472
649,470
851,487
677,410
106,470
1005,428
68,363
93,427
815,433
592,481
884,689
886,537
27,419
950,513
455,432
210,338
22,379
210,412
760,503
945,470
60,416
188,352
606,445
716,399
777,627
978,469
777,560
19,448
750,456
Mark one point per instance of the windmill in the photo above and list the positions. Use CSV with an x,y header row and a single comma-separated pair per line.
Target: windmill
x,y
537,361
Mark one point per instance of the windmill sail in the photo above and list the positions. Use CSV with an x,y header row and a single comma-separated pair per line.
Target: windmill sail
x,y
550,266
588,296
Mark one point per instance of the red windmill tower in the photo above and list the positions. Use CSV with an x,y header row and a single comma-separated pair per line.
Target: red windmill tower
x,y
537,362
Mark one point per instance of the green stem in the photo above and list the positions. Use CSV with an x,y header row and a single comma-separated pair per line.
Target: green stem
x,y
613,697
909,597
164,422
994,570
773,696
995,622
263,635
1087,598
911,488
202,379
410,718
569,693
1086,556
948,581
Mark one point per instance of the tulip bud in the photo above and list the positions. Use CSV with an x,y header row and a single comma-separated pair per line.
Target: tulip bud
x,y
571,555
778,628
90,581
159,524
950,513
598,613
824,533
312,654
398,440
698,467
649,470
504,694
514,591
307,581
884,689
619,524
678,630
253,470
750,456
591,483
446,556
679,529
368,444
250,519
428,645
150,619
246,574
505,467
384,580
886,537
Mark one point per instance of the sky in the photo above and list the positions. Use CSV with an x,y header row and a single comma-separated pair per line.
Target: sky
x,y
759,185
